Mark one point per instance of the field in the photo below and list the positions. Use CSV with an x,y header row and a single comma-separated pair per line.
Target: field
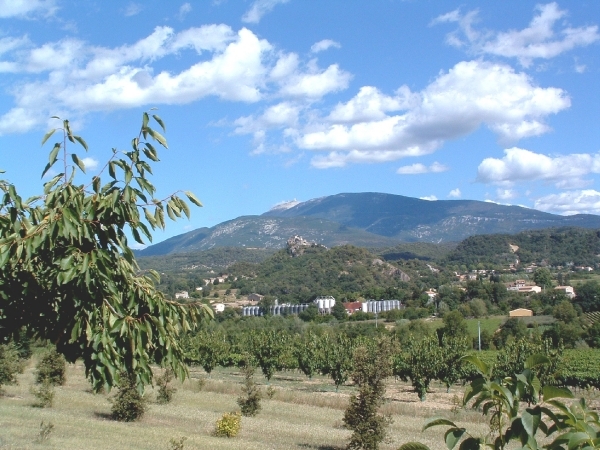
x,y
302,414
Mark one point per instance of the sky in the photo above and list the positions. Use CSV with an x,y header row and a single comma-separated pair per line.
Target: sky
x,y
271,101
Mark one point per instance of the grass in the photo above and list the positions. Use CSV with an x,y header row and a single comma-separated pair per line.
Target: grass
x,y
303,414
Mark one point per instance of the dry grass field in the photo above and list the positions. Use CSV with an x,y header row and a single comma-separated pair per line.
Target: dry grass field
x,y
301,415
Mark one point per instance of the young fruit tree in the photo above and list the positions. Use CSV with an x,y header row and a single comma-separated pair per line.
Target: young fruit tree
x,y
68,275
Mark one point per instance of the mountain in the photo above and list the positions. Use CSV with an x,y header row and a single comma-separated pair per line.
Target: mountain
x,y
410,219
267,232
369,220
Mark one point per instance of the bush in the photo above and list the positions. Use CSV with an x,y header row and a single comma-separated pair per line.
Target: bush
x,y
229,425
44,394
9,365
52,369
128,404
372,365
165,392
249,401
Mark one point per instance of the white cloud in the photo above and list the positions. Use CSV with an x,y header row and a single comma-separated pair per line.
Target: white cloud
x,y
430,198
415,169
538,41
570,202
455,104
133,9
324,45
184,10
259,8
26,8
506,194
90,163
455,193
315,83
520,165
74,77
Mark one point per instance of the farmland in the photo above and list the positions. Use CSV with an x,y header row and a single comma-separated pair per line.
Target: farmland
x,y
301,415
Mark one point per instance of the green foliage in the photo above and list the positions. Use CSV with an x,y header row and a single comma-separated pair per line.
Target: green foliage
x,y
543,277
52,369
228,425
270,351
44,394
10,365
177,443
588,296
208,349
45,430
308,351
67,273
249,401
337,358
558,246
420,362
128,405
372,365
577,426
165,391
452,351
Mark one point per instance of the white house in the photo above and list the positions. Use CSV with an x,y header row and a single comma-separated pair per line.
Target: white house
x,y
182,294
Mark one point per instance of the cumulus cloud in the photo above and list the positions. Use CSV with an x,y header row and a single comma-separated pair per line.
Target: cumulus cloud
x,y
90,163
259,8
457,103
506,194
418,168
520,165
571,202
539,40
26,8
72,77
455,193
323,45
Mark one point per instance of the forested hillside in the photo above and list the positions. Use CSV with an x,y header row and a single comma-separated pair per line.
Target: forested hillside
x,y
555,246
344,272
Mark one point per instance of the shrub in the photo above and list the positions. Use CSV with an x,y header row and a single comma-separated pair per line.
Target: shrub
x,y
9,365
249,401
44,394
128,404
45,430
177,444
52,368
372,366
229,425
165,392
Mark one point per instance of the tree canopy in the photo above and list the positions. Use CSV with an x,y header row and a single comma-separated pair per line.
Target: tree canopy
x,y
68,275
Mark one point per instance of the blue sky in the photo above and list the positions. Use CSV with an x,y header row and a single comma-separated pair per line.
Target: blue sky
x,y
268,101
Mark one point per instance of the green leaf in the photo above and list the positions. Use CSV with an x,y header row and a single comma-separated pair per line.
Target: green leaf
x,y
531,419
550,392
470,444
482,367
452,436
79,162
536,360
47,135
435,421
159,121
193,198
81,142
158,137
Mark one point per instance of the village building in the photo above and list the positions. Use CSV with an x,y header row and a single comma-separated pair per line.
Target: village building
x,y
182,294
520,312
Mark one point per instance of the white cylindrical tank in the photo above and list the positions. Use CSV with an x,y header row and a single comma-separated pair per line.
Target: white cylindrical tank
x,y
365,307
320,303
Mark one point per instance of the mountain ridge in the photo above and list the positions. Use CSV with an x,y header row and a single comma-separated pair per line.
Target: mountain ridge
x,y
369,219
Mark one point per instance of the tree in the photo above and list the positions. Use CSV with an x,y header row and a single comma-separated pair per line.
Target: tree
x,y
588,296
421,363
308,351
268,348
68,275
209,349
339,311
372,365
337,358
455,325
9,365
542,277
